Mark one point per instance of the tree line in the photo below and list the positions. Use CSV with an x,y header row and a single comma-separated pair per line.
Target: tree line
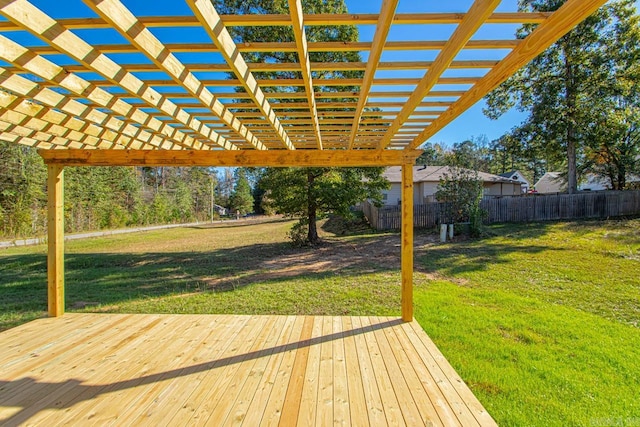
x,y
114,197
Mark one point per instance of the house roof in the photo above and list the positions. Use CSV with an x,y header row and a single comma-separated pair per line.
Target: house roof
x,y
159,84
435,174
508,174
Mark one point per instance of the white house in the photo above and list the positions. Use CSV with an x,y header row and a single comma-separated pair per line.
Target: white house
x,y
517,176
551,182
427,178
554,182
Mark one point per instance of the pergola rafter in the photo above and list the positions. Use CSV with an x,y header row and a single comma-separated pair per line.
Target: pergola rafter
x,y
302,48
379,38
169,103
27,134
557,25
46,28
31,90
49,117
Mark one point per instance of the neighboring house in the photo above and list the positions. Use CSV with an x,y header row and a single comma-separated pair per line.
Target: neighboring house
x,y
220,210
554,182
594,183
551,182
517,176
427,178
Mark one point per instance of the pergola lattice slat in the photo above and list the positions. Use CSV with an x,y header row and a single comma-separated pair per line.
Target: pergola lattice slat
x,y
379,38
314,19
557,25
292,47
32,90
44,27
52,117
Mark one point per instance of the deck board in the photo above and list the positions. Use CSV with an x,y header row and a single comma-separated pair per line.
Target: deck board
x,y
113,369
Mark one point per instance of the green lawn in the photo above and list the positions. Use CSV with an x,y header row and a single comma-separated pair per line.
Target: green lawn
x,y
540,320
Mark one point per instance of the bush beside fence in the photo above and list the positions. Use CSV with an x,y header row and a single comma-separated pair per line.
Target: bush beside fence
x,y
604,204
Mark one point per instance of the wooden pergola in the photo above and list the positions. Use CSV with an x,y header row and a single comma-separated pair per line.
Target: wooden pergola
x,y
136,102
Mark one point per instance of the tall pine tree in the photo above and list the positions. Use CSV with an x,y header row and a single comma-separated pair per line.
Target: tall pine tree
x,y
560,88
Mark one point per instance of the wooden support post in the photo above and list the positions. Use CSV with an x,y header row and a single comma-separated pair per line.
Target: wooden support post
x,y
55,227
407,242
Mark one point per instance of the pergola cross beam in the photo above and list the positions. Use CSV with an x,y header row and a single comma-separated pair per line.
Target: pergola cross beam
x,y
311,19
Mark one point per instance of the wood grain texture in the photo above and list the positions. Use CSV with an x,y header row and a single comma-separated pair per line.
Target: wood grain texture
x,y
302,48
143,369
281,158
473,19
406,255
213,25
130,27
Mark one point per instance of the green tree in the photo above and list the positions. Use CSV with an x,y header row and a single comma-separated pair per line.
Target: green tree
x,y
432,155
241,199
311,193
561,86
22,190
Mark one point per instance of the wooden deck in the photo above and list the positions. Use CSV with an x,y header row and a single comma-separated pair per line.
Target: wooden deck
x,y
120,369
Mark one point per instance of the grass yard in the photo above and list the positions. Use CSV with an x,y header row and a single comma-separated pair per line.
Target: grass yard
x,y
541,320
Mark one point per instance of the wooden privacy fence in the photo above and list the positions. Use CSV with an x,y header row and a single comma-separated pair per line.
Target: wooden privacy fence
x,y
603,204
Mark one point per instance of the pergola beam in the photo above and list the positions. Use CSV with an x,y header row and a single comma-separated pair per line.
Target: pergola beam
x,y
226,158
347,46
